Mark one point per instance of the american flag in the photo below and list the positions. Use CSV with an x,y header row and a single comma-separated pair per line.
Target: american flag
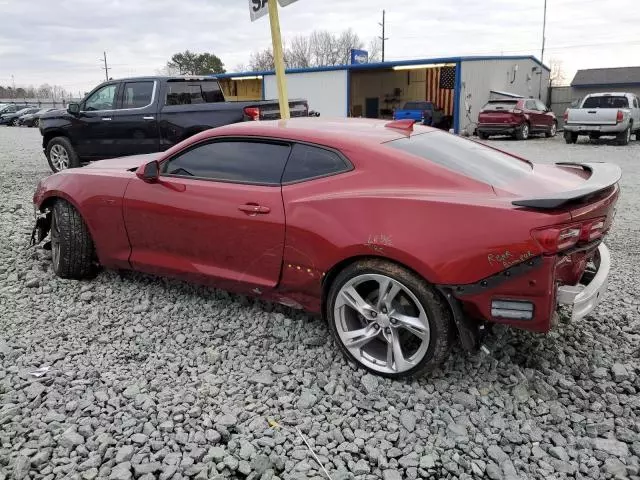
x,y
440,87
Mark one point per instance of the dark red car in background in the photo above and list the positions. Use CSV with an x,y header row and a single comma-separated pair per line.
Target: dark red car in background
x,y
402,237
516,117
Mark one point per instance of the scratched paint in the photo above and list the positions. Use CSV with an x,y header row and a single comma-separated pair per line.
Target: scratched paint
x,y
507,258
377,242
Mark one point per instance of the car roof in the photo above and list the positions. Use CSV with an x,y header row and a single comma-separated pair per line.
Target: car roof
x,y
328,131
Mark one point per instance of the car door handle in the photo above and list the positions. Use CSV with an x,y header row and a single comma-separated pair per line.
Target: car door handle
x,y
253,209
148,118
106,118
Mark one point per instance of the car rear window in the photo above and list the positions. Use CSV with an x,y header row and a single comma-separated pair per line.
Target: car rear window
x,y
417,106
608,101
193,92
466,157
501,105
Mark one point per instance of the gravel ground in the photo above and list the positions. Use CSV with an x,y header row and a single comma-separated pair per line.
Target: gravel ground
x,y
153,378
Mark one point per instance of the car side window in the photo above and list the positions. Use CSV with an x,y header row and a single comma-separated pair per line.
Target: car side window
x,y
137,94
238,161
530,105
102,99
541,106
307,162
187,93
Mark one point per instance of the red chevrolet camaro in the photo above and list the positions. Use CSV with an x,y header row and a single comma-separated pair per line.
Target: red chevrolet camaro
x,y
404,237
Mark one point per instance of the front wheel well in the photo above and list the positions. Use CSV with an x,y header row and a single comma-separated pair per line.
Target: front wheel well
x,y
48,136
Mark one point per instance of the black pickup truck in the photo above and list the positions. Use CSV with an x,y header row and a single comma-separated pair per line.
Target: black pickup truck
x,y
143,115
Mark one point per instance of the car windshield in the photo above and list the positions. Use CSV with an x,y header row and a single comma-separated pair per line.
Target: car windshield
x,y
606,101
417,106
501,105
466,157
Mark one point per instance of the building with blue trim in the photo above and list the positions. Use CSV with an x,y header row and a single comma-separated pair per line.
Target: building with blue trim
x,y
458,85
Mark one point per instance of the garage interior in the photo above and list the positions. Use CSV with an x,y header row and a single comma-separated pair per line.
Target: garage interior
x,y
375,93
242,88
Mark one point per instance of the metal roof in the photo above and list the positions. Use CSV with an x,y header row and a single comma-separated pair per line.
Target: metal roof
x,y
385,65
602,77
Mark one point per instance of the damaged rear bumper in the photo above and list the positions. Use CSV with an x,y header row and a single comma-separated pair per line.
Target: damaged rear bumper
x,y
585,297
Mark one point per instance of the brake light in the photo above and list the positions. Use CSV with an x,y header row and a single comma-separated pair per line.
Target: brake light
x,y
565,115
592,230
252,112
558,238
619,116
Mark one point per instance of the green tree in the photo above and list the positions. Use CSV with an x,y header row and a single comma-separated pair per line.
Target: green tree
x,y
190,63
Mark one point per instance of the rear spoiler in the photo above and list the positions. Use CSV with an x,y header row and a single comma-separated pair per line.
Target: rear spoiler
x,y
603,175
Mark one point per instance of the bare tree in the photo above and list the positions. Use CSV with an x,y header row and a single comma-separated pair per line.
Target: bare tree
x,y
557,76
262,60
320,48
375,50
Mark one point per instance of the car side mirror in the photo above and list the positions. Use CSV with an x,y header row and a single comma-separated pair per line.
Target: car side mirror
x,y
149,172
73,108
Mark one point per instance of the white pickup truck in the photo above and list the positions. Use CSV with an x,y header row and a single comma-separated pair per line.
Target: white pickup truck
x,y
604,114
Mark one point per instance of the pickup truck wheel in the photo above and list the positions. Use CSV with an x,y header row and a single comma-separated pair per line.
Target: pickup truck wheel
x,y
624,137
570,137
552,131
388,320
72,248
523,132
61,155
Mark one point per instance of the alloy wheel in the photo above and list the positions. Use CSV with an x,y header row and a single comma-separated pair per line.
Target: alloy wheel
x,y
59,157
525,131
382,323
554,129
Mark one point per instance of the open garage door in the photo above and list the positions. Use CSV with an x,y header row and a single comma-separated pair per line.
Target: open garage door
x,y
377,92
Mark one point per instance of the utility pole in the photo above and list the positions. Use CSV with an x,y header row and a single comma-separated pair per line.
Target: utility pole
x,y
106,69
383,38
544,28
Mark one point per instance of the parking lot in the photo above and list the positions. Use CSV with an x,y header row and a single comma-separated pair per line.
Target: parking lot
x,y
182,381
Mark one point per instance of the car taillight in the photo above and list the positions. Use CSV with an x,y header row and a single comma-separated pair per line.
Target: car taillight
x,y
619,116
565,116
592,230
557,238
252,112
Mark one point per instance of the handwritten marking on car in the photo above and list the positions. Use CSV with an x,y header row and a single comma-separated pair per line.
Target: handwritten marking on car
x,y
377,242
507,258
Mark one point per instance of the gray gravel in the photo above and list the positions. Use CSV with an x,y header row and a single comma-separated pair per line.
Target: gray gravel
x,y
154,378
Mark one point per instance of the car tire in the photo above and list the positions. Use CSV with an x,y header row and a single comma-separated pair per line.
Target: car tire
x,y
594,136
72,248
14,122
624,137
36,123
391,344
482,136
523,132
570,137
552,131
61,154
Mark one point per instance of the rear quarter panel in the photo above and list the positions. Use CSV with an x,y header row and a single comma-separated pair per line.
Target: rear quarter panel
x,y
449,229
98,198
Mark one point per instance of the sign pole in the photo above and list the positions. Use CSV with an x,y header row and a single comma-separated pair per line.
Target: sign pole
x,y
278,59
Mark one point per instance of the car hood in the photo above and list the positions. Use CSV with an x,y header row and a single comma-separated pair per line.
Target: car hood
x,y
54,114
124,163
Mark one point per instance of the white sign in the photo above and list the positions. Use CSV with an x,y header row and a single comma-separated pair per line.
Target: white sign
x,y
258,8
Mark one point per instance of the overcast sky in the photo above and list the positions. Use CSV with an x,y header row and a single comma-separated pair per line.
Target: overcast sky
x,y
61,42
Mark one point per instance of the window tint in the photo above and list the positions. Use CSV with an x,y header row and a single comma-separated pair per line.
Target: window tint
x,y
608,101
137,94
308,162
501,105
540,106
185,93
466,157
102,99
233,161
